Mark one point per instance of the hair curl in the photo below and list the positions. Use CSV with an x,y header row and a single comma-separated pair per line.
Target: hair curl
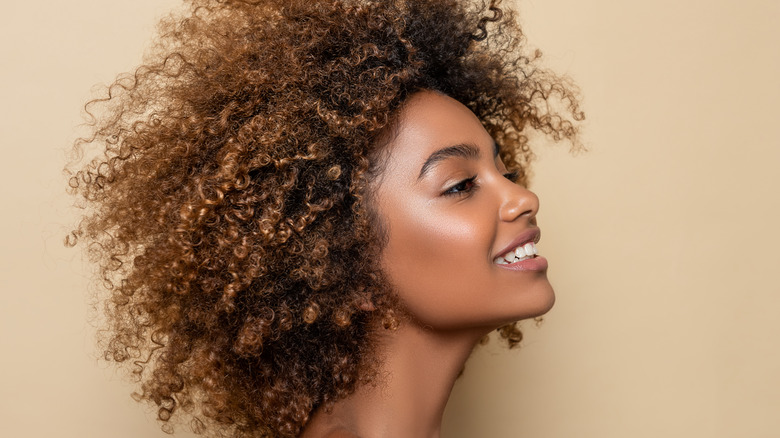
x,y
229,213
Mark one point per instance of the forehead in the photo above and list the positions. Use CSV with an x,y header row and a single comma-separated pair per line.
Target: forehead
x,y
430,121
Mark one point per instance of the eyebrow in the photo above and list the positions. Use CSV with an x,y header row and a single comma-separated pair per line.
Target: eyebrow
x,y
461,150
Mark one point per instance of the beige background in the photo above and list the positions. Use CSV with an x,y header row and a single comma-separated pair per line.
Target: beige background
x,y
663,239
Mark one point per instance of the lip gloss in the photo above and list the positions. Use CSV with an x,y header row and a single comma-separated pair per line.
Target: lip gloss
x,y
536,263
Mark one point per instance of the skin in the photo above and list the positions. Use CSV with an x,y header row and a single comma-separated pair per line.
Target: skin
x,y
446,225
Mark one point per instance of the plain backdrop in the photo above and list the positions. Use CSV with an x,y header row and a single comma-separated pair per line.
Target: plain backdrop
x,y
663,239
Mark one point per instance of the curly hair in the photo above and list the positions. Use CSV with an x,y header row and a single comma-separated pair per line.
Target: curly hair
x,y
228,210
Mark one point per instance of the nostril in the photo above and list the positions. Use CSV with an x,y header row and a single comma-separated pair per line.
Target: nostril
x,y
519,202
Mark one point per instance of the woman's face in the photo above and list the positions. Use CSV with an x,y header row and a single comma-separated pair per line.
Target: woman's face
x,y
452,213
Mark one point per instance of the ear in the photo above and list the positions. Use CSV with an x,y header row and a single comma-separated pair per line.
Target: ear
x,y
364,303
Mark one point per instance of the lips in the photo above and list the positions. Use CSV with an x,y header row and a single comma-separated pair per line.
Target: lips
x,y
531,236
521,254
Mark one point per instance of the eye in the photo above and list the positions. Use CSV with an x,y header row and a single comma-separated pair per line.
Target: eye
x,y
512,176
462,187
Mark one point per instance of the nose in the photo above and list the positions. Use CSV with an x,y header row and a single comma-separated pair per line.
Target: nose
x,y
518,202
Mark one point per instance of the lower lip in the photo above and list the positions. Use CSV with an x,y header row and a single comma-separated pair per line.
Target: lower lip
x,y
537,263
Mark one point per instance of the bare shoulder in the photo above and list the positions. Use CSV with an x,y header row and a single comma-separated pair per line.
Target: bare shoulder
x,y
340,433
332,423
335,432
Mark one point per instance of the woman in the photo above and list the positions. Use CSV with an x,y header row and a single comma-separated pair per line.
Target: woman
x,y
306,214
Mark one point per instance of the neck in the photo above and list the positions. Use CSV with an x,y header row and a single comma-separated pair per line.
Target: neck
x,y
418,369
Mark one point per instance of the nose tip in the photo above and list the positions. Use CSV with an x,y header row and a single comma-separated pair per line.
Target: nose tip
x,y
519,202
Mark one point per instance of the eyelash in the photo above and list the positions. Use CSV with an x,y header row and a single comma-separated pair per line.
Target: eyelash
x,y
461,188
512,176
467,185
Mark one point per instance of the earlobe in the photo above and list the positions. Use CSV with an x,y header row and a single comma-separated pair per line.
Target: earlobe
x,y
364,302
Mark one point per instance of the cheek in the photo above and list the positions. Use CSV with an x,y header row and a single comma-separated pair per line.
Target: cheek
x,y
437,263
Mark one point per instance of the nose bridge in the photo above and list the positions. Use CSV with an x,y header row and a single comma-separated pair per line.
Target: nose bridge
x,y
517,201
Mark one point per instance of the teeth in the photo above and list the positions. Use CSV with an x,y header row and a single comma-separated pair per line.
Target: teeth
x,y
520,253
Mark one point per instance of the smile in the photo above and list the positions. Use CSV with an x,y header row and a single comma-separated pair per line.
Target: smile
x,y
522,252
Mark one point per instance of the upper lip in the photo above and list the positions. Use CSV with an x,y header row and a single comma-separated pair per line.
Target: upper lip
x,y
531,235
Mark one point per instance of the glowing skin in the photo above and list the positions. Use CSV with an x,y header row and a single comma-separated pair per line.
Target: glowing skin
x,y
446,229
448,221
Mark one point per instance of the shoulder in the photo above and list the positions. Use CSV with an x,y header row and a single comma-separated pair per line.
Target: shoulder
x,y
340,433
329,424
330,432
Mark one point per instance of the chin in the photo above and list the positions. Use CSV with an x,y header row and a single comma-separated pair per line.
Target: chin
x,y
541,304
548,304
